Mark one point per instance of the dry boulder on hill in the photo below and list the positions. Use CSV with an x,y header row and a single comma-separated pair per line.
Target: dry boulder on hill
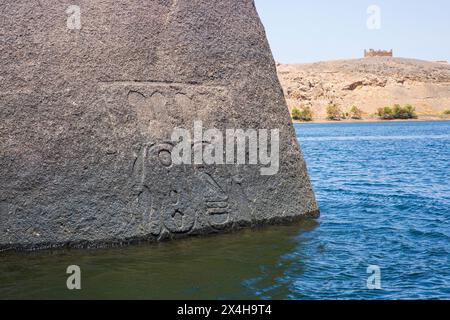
x,y
368,84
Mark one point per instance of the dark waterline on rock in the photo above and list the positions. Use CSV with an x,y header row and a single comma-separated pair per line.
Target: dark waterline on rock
x,y
384,193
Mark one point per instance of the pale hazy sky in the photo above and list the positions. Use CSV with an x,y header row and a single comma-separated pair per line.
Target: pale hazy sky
x,y
315,30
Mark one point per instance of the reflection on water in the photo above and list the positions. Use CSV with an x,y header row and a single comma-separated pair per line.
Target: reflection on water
x,y
249,264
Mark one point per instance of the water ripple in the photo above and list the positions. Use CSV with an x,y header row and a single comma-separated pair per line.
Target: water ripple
x,y
384,192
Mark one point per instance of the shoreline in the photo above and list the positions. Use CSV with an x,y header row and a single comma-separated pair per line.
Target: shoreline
x,y
319,121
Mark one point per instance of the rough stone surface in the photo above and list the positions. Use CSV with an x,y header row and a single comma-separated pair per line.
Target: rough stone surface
x,y
86,118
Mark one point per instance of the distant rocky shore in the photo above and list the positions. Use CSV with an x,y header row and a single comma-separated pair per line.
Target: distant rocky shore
x,y
368,86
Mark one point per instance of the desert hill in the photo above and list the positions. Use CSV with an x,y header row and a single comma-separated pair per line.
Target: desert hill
x,y
369,84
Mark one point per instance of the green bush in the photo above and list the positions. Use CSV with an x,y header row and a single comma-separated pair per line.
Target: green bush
x,y
296,114
356,113
385,113
397,112
447,112
406,112
334,113
302,114
411,112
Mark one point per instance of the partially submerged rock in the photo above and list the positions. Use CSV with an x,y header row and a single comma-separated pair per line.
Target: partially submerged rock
x,y
88,107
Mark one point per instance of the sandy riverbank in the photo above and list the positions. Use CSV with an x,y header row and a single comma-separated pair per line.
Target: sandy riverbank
x,y
368,84
420,119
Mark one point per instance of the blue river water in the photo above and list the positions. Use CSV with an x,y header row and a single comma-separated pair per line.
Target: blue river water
x,y
384,194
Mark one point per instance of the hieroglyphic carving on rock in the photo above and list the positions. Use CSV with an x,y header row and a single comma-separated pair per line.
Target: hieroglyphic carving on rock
x,y
216,201
158,106
142,201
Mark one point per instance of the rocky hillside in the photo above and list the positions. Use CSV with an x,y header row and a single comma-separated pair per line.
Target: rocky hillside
x,y
368,84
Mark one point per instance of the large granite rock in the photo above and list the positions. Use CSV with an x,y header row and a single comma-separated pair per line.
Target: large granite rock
x,y
87,115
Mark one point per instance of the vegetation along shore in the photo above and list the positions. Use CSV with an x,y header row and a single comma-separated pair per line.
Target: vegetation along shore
x,y
373,89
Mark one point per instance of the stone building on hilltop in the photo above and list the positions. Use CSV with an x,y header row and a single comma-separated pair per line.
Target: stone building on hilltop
x,y
378,53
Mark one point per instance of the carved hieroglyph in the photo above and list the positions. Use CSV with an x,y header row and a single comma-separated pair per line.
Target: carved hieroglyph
x,y
87,115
